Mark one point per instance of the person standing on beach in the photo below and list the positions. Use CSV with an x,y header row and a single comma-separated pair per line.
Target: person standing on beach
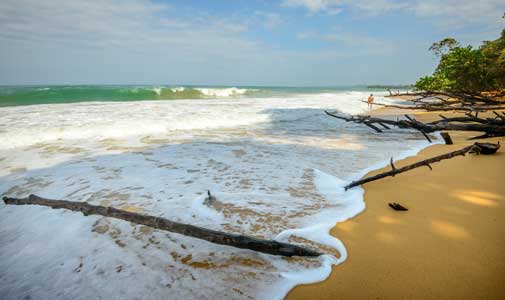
x,y
370,101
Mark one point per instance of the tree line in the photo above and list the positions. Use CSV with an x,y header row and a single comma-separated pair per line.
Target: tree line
x,y
467,69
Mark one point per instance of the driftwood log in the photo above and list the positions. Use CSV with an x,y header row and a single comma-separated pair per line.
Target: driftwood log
x,y
427,162
454,97
435,106
486,148
492,127
449,101
213,236
397,206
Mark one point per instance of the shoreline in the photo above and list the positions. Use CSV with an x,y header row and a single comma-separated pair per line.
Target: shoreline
x,y
117,161
433,251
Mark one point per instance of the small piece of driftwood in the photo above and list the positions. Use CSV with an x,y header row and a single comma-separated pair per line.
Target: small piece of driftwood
x,y
486,148
213,236
427,162
446,137
397,206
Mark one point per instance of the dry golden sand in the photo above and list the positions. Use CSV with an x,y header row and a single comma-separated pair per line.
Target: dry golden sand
x,y
449,245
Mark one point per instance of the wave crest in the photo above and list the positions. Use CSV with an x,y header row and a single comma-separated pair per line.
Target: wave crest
x,y
67,94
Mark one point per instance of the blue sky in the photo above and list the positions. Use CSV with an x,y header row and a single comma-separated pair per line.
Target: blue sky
x,y
233,42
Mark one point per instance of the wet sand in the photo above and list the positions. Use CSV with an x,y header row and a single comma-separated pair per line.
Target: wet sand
x,y
449,245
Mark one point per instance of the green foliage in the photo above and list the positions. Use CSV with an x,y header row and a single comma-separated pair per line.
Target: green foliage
x,y
495,56
442,47
433,83
464,69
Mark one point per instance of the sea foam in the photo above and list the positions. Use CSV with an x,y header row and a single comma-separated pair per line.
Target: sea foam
x,y
223,92
276,166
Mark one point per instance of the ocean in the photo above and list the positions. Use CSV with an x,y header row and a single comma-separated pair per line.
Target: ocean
x,y
274,161
26,95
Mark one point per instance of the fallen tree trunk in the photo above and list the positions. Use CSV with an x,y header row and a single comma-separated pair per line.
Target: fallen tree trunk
x,y
492,127
449,101
469,119
440,107
406,94
418,164
213,236
462,96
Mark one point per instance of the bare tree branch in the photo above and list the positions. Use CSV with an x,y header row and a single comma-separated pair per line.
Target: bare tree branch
x,y
477,147
491,126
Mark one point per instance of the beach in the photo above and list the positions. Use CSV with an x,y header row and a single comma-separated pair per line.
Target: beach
x,y
276,165
274,161
449,245
239,150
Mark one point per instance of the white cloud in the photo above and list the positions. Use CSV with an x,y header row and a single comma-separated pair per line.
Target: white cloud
x,y
336,6
139,41
118,41
457,13
314,6
449,12
111,22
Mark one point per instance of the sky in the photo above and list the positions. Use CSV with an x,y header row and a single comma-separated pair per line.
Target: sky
x,y
234,42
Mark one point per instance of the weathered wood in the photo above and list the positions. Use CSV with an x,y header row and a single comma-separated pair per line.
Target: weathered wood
x,y
397,206
446,137
486,148
463,97
472,119
213,236
492,127
372,126
486,136
363,119
417,126
406,94
449,101
435,106
426,162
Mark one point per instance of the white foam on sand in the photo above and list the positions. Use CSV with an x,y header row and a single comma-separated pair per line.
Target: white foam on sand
x,y
276,166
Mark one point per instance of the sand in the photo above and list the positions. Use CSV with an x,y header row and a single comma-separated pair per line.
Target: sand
x,y
449,245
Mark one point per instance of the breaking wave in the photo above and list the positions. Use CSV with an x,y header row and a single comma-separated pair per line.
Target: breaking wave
x,y
13,96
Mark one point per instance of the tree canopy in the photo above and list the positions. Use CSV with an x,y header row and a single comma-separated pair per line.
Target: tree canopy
x,y
467,69
442,47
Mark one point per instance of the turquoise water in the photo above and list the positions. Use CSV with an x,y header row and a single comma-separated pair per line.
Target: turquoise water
x,y
28,95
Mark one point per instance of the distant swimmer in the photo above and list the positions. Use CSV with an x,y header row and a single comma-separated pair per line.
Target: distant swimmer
x,y
370,101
